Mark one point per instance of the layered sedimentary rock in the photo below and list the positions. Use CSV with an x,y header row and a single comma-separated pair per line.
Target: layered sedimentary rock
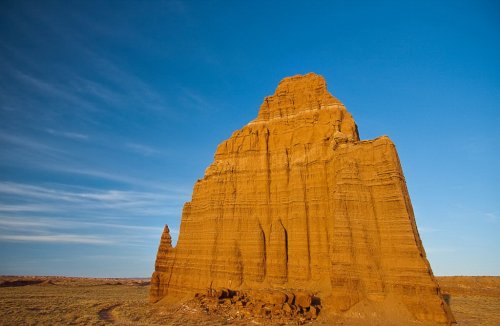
x,y
294,200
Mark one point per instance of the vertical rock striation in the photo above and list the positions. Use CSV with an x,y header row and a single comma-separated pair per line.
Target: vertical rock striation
x,y
295,200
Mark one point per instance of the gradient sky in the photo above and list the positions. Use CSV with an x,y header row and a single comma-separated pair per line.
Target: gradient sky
x,y
110,111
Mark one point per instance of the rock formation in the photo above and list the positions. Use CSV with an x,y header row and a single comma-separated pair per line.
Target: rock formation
x,y
294,200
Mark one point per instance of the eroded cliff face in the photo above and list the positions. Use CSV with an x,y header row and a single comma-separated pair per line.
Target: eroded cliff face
x,y
295,200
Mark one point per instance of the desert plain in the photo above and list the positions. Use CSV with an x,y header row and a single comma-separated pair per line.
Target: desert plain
x,y
52,300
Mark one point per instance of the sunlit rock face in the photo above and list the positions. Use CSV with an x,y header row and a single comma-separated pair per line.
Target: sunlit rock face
x,y
295,200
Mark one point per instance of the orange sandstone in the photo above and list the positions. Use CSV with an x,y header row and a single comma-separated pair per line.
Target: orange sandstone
x,y
294,200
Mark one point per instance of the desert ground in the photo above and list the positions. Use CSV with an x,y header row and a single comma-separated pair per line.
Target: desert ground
x,y
32,300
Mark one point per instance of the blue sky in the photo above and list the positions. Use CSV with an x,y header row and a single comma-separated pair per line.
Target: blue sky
x,y
110,111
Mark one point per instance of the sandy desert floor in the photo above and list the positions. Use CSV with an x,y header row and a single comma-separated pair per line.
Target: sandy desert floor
x,y
81,301
474,300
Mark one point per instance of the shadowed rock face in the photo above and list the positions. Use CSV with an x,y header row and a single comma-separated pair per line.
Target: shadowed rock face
x,y
295,200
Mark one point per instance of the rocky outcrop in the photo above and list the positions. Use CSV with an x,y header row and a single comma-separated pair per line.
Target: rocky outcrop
x,y
294,200
279,306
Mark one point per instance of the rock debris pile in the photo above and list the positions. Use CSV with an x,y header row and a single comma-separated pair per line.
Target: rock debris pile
x,y
277,306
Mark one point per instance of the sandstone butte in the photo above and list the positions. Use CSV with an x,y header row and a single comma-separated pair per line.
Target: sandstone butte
x,y
295,200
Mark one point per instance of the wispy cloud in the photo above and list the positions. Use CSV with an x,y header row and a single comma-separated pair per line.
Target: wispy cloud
x,y
178,191
196,101
57,238
28,152
36,198
27,208
54,213
68,214
112,90
29,143
116,85
67,134
492,217
22,223
53,90
62,230
97,90
144,150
